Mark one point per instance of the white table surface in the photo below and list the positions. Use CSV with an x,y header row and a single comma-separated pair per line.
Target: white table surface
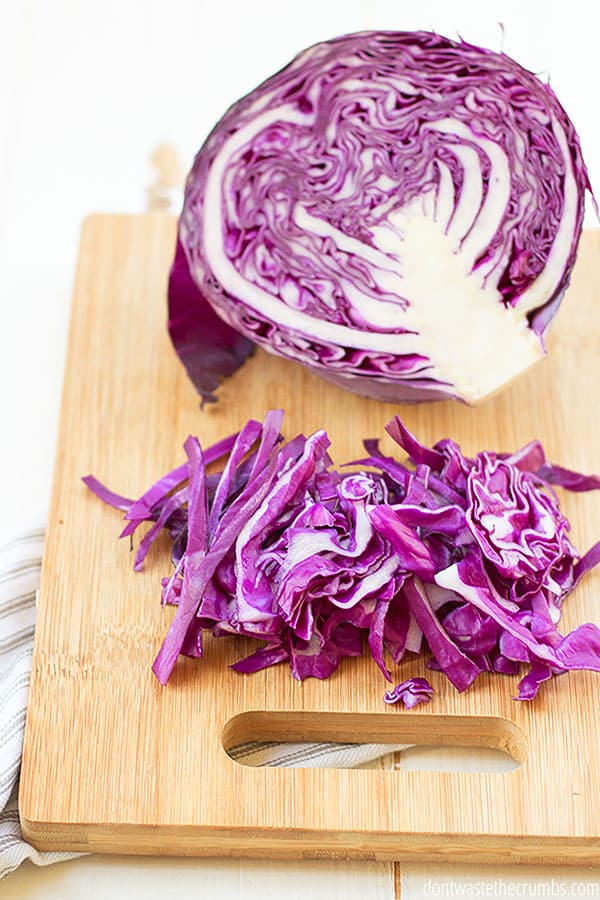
x,y
88,88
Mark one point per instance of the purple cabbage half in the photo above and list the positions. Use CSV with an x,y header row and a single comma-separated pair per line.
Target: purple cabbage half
x,y
467,559
395,210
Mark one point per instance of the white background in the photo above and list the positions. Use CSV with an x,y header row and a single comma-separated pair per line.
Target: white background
x,y
87,89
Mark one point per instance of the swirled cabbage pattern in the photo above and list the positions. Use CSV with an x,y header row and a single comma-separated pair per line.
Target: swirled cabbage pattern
x,y
398,211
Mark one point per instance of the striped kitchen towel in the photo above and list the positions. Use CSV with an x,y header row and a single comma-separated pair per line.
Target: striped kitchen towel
x,y
20,564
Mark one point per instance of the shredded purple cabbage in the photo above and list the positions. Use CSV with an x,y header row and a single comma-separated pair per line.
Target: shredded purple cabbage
x,y
467,559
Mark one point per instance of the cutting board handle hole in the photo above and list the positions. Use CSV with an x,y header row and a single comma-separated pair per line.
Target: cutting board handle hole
x,y
428,737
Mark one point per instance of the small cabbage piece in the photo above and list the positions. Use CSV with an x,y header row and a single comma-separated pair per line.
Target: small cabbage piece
x,y
410,692
395,210
207,347
466,559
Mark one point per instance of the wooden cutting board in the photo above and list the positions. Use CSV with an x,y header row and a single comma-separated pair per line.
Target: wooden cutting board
x,y
113,762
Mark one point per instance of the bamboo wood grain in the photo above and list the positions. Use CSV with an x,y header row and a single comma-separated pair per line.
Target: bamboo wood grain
x,y
113,762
